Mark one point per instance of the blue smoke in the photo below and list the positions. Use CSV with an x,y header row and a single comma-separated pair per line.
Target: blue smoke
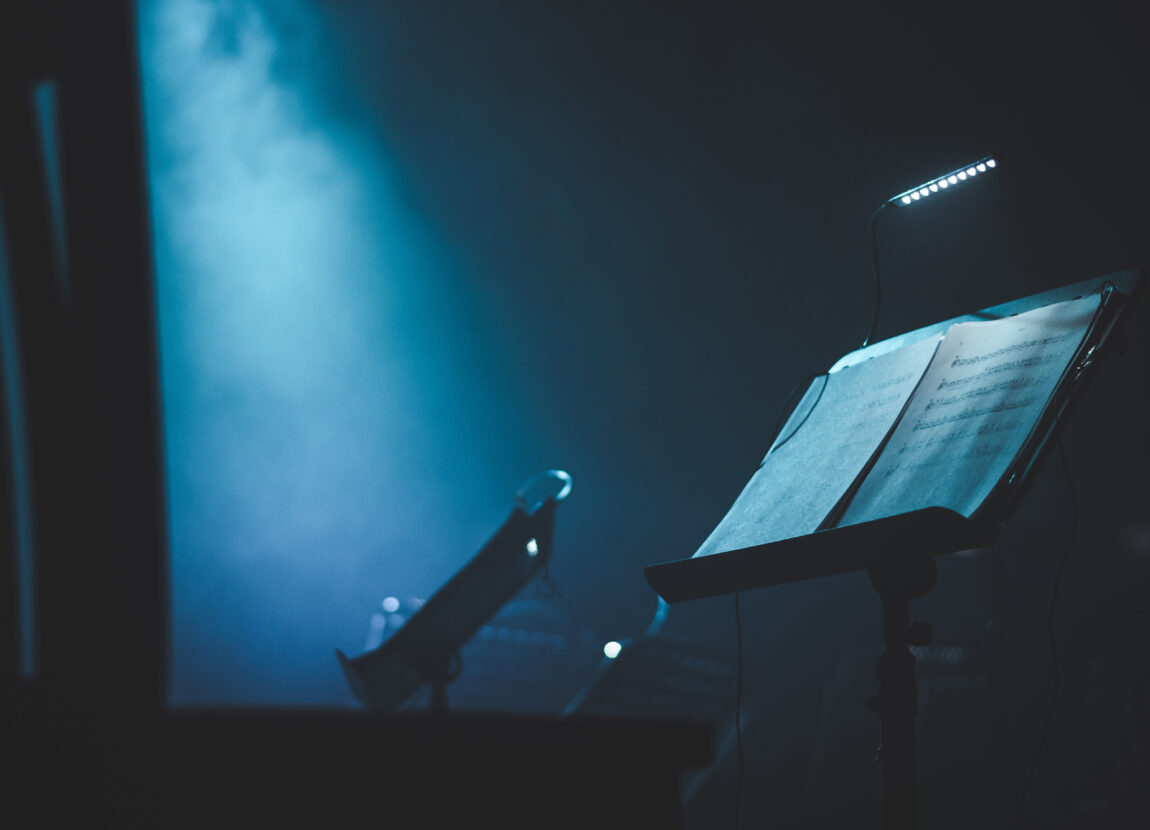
x,y
313,361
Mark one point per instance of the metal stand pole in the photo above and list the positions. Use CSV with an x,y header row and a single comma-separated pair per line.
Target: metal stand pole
x,y
444,672
895,703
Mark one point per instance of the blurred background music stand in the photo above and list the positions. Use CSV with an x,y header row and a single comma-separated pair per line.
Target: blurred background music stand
x,y
426,648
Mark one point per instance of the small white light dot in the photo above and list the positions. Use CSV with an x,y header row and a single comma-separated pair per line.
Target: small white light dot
x,y
962,175
943,183
612,649
934,188
922,191
906,200
981,168
970,171
532,547
391,605
991,163
915,196
952,179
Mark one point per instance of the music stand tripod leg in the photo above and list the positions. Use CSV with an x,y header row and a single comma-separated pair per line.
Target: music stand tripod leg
x,y
895,704
438,673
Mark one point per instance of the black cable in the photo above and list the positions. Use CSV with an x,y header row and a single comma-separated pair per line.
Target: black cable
x,y
877,282
783,412
1050,633
866,340
739,710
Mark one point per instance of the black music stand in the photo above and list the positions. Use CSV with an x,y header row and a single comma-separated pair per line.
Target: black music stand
x,y
426,648
898,553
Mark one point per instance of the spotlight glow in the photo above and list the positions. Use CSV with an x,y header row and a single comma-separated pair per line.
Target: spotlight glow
x,y
915,196
970,171
391,605
934,188
289,264
532,547
906,200
991,163
962,176
981,168
922,191
952,179
612,649
943,183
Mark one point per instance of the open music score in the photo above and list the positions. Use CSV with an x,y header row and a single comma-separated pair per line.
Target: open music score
x,y
937,422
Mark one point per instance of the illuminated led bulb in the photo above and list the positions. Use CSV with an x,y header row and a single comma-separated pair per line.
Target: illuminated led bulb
x,y
943,182
532,547
612,649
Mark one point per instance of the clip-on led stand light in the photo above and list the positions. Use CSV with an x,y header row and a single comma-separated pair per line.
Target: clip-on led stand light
x,y
895,535
426,648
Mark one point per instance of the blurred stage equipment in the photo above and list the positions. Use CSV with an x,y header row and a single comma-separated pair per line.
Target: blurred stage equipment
x,y
658,676
1113,739
82,481
426,648
532,656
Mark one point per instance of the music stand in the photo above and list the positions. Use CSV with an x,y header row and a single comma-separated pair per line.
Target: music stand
x,y
425,649
897,551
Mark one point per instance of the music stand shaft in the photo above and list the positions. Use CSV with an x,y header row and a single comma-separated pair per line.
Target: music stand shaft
x,y
895,704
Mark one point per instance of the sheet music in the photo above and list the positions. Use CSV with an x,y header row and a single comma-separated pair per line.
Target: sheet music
x,y
983,394
808,469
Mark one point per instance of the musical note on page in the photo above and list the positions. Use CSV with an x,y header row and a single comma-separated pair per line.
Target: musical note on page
x,y
831,435
980,398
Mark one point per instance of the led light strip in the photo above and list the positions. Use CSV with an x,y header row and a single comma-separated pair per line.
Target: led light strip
x,y
920,192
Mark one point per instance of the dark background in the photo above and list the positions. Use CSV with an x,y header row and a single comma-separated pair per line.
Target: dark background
x,y
610,237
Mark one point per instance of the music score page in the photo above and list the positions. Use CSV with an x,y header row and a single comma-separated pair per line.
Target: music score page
x,y
980,398
828,439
